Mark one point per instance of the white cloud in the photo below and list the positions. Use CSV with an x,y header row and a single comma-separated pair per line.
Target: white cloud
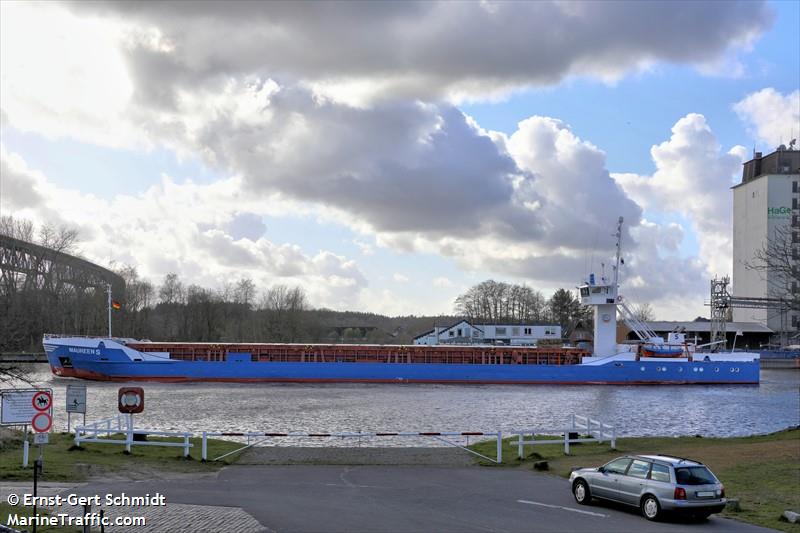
x,y
693,177
400,278
427,50
199,231
307,118
442,282
771,116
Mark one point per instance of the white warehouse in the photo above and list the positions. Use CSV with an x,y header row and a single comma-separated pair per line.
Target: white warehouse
x,y
465,332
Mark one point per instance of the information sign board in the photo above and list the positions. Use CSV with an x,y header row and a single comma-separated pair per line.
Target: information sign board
x,y
16,406
76,398
41,438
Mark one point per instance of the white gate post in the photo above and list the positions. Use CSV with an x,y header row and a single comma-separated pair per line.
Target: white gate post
x,y
186,445
519,446
204,452
25,448
499,446
129,437
566,442
614,437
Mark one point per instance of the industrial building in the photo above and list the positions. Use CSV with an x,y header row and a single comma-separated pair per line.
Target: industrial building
x,y
766,216
465,332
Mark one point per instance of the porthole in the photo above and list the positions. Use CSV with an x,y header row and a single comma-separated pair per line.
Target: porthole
x,y
737,368
694,369
733,370
680,369
716,369
701,369
663,369
642,369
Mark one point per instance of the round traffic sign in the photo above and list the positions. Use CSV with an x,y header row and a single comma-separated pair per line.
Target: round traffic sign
x,y
42,400
41,422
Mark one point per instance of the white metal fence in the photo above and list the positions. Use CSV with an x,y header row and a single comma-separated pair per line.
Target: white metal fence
x,y
592,430
124,424
597,432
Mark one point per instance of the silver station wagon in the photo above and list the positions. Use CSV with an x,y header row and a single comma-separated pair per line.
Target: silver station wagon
x,y
654,484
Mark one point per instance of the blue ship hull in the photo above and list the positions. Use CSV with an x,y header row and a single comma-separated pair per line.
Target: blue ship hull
x,y
114,364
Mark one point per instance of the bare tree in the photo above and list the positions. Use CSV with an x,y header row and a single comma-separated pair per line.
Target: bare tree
x,y
778,260
644,312
494,302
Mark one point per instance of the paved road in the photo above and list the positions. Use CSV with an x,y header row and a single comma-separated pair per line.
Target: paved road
x,y
404,498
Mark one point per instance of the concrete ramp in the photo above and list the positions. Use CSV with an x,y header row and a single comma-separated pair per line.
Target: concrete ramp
x,y
284,455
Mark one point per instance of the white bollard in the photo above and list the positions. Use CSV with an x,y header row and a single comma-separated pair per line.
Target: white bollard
x,y
614,438
186,445
129,438
499,447
519,447
566,442
204,452
25,448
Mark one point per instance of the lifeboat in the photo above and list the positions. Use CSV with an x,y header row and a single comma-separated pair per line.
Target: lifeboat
x,y
655,350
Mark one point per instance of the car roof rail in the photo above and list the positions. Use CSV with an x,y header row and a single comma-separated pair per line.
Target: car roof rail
x,y
680,459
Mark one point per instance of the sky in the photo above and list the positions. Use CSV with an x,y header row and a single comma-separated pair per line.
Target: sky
x,y
386,156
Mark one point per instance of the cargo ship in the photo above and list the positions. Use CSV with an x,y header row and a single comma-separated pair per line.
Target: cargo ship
x,y
652,360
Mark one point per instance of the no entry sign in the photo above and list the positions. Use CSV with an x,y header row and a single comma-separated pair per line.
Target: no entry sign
x,y
41,422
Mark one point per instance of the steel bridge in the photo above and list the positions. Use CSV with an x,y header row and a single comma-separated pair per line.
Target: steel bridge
x,y
28,266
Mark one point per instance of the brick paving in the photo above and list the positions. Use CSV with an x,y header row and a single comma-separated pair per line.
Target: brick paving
x,y
170,518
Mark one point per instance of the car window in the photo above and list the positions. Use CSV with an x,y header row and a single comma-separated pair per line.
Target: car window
x,y
694,475
639,469
617,466
660,473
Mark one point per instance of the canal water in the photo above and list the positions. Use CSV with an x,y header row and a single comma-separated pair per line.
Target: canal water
x,y
708,410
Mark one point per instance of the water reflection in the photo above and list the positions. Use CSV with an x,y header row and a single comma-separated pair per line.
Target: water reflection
x,y
716,410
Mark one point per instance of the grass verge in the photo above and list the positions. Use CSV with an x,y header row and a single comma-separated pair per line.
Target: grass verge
x,y
762,472
62,461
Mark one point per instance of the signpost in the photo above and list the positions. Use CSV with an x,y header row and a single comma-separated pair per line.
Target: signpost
x,y
18,407
41,422
76,403
42,400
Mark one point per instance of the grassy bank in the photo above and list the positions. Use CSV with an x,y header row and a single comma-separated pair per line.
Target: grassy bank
x,y
64,462
762,472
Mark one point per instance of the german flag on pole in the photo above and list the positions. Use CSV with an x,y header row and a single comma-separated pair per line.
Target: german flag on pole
x,y
115,304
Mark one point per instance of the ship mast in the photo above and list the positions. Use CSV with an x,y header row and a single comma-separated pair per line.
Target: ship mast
x,y
618,235
108,291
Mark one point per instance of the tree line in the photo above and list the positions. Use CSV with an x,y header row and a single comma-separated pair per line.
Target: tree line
x,y
498,302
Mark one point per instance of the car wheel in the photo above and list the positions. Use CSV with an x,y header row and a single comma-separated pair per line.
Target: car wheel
x,y
650,507
581,492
